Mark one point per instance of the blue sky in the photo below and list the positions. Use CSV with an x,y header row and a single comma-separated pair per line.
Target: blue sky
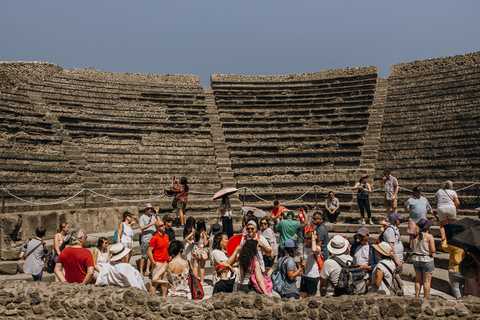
x,y
240,37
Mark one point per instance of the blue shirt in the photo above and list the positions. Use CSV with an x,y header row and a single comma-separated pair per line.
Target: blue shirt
x,y
418,208
322,234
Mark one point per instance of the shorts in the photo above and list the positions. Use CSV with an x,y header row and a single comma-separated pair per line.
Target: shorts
x,y
447,213
309,285
423,267
290,295
390,203
145,249
268,261
410,227
181,205
159,265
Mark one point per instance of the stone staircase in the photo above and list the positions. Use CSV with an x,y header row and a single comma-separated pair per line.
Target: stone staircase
x,y
372,135
224,165
71,151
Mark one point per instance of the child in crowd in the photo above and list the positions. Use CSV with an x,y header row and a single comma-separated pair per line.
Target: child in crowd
x,y
225,284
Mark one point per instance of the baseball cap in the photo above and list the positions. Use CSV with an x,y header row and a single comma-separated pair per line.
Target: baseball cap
x,y
290,243
417,189
219,268
290,214
126,213
363,231
395,216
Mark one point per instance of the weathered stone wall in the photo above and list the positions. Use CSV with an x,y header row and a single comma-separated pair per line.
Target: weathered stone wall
x,y
435,65
328,74
17,72
21,300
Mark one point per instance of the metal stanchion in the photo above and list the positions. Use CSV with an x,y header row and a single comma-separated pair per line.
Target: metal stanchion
x,y
84,198
316,203
3,202
243,201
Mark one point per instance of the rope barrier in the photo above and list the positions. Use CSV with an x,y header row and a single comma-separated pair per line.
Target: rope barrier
x,y
208,193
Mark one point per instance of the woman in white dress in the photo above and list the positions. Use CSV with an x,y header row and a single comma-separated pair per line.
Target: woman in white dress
x,y
101,256
125,232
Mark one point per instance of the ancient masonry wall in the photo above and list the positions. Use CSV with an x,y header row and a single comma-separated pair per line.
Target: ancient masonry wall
x,y
34,301
328,74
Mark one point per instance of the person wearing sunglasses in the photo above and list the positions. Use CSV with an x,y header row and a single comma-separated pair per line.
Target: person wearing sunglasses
x,y
263,245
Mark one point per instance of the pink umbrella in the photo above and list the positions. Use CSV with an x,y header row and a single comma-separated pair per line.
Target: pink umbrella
x,y
224,192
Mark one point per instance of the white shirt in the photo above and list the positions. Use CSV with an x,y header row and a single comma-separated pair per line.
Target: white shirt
x,y
311,265
331,271
259,255
228,212
362,255
444,200
127,236
120,274
386,275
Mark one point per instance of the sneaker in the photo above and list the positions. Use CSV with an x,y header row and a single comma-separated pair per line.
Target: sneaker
x,y
363,221
371,222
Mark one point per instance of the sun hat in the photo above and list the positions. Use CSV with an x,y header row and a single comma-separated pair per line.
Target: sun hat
x,y
363,231
338,244
417,189
384,248
384,222
290,243
147,206
216,228
118,251
424,224
395,216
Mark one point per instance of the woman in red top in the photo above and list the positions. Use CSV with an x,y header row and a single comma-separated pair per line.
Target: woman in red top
x,y
181,195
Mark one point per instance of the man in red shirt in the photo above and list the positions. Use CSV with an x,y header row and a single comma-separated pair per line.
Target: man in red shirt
x,y
75,259
158,253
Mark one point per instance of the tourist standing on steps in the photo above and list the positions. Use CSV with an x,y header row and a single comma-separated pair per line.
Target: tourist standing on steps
x,y
332,208
338,248
125,232
423,246
311,273
288,230
158,254
268,233
263,245
118,272
75,263
457,282
363,198
168,227
181,196
247,262
219,254
391,235
418,207
289,270
447,204
147,225
226,212
390,184
58,241
200,251
322,234
101,256
34,251
363,252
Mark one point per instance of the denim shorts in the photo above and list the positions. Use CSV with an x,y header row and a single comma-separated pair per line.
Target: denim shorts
x,y
145,249
423,267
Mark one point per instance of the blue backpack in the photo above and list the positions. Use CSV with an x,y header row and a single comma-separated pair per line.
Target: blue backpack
x,y
277,278
115,235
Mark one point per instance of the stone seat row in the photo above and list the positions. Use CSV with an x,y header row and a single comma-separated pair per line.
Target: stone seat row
x,y
328,94
302,116
332,167
344,142
463,81
333,101
435,75
350,150
428,132
433,98
419,117
462,90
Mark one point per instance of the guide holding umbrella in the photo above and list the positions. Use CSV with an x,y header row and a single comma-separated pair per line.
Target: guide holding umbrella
x,y
226,212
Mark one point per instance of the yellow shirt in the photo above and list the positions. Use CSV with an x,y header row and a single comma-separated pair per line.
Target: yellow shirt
x,y
456,255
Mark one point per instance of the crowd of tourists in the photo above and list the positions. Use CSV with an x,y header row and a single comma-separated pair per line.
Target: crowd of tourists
x,y
307,262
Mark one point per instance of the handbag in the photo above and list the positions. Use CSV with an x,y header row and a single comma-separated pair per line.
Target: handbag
x,y
196,288
51,260
174,203
266,280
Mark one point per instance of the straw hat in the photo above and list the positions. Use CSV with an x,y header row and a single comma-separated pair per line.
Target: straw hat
x,y
117,252
384,248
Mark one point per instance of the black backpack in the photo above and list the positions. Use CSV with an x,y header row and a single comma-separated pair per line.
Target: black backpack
x,y
351,279
396,288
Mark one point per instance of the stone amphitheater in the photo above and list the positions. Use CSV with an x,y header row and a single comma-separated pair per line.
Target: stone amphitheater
x,y
83,145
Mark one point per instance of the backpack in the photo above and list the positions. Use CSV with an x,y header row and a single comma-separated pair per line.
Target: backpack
x,y
396,288
351,279
115,235
381,237
277,278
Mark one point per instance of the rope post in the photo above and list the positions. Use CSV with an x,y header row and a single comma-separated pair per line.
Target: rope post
x,y
243,201
316,203
84,198
478,194
3,201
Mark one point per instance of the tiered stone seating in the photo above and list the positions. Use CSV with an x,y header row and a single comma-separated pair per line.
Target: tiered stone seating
x,y
287,133
128,134
430,132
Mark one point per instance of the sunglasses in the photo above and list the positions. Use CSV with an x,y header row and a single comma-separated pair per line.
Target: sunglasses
x,y
250,228
161,226
264,223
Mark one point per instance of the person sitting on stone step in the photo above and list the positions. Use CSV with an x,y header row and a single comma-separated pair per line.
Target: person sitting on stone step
x,y
331,211
118,272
